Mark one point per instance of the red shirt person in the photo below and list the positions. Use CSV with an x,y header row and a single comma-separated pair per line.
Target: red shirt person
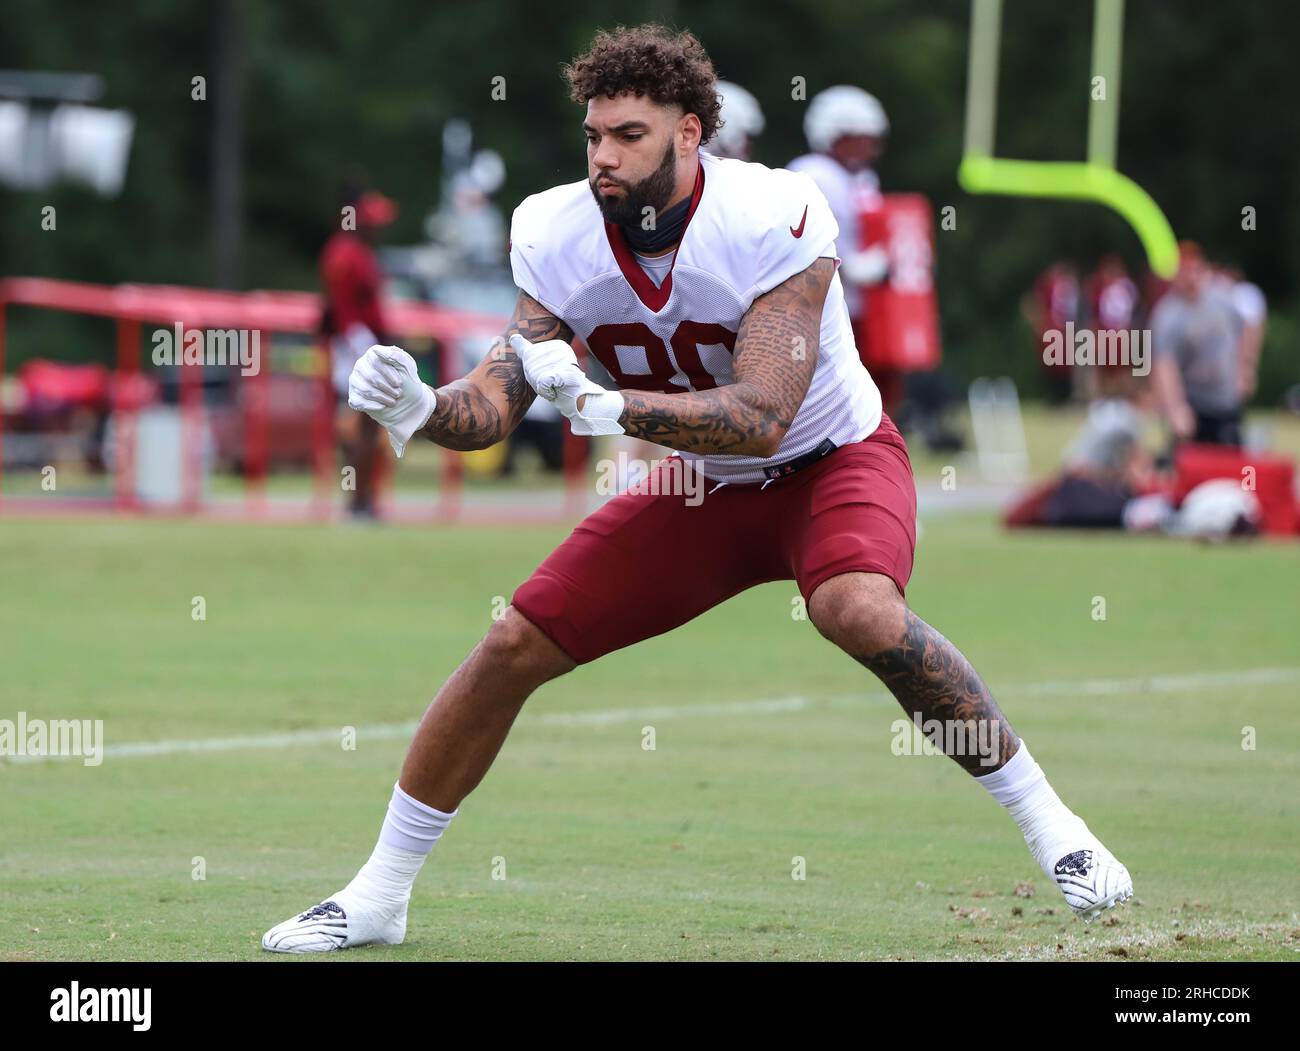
x,y
354,322
1113,305
1049,307
353,283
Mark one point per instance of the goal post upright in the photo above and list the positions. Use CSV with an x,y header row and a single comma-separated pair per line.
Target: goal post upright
x,y
982,78
1103,114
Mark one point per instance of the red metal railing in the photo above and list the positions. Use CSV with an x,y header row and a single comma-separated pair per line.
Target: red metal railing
x,y
266,313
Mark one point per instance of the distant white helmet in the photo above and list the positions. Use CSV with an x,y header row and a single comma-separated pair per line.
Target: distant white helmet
x,y
742,119
842,110
487,170
1218,509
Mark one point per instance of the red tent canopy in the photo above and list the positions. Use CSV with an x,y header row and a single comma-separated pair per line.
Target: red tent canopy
x,y
209,308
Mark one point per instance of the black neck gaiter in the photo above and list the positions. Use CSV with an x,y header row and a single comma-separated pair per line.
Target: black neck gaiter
x,y
667,230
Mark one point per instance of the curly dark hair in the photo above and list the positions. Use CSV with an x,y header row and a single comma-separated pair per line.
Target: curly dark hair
x,y
649,60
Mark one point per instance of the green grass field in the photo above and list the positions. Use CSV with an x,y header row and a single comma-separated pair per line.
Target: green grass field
x,y
770,745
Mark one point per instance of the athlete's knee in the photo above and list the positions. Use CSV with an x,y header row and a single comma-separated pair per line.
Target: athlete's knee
x,y
514,645
862,613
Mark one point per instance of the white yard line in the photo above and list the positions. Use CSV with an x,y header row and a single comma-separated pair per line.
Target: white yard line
x,y
1163,683
635,714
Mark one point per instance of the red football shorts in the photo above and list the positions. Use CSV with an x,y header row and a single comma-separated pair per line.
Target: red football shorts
x,y
644,563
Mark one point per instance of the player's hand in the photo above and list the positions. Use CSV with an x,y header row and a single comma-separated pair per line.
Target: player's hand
x,y
548,365
1183,421
385,385
552,369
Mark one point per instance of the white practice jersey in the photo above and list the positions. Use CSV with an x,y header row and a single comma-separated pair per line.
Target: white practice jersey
x,y
848,193
750,228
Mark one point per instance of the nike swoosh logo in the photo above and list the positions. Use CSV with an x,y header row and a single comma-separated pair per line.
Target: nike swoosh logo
x,y
799,232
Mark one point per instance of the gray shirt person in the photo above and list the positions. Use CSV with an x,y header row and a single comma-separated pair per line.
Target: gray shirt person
x,y
1202,336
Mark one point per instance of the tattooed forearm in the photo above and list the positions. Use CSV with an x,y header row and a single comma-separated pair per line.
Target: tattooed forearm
x,y
732,419
776,355
485,406
932,680
464,418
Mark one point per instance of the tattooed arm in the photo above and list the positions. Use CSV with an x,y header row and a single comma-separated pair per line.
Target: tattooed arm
x,y
776,355
487,404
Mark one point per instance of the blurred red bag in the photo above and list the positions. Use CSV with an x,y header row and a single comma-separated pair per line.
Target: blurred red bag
x,y
901,312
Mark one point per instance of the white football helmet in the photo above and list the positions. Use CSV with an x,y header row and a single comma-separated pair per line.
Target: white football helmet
x,y
1218,509
742,120
842,110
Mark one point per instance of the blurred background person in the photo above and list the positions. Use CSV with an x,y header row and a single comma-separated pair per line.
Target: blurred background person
x,y
1105,467
1049,306
468,229
846,129
352,322
1252,309
742,123
1196,342
1113,306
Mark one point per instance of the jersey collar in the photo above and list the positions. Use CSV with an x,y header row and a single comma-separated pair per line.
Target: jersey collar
x,y
653,297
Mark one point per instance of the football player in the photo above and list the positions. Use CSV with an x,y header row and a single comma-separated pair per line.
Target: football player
x,y
847,130
707,288
740,122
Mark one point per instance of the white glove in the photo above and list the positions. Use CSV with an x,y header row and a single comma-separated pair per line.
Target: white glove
x,y
867,267
552,369
385,385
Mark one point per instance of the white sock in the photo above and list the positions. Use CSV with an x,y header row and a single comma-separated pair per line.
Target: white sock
x,y
1022,788
411,825
411,828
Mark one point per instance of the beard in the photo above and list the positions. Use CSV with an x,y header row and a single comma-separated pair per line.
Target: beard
x,y
654,191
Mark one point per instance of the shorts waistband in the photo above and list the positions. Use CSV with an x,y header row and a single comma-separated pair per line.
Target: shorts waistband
x,y
780,470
